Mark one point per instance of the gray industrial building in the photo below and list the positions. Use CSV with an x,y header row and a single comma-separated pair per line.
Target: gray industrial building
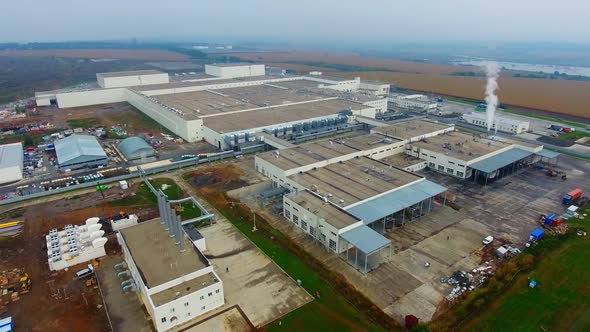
x,y
136,149
79,151
11,163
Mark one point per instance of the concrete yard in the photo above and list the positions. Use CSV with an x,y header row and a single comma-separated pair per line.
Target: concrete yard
x,y
228,320
451,240
256,284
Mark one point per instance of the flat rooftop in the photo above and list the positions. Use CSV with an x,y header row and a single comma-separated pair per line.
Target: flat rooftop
x,y
410,129
157,257
235,64
202,82
354,180
184,288
203,103
298,84
460,145
130,73
332,214
313,152
306,154
227,123
401,160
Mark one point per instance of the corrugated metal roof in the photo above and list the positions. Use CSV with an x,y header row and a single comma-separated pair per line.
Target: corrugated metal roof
x,y
548,154
136,147
365,239
392,202
500,160
76,146
11,155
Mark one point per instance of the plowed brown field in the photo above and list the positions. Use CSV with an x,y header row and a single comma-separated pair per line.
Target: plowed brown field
x,y
154,55
559,96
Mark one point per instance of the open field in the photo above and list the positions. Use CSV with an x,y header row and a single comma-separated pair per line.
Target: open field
x,y
559,303
151,55
560,96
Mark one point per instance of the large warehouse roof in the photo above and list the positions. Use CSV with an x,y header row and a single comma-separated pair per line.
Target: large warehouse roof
x,y
265,117
75,147
500,160
11,162
410,129
354,180
395,201
136,148
129,73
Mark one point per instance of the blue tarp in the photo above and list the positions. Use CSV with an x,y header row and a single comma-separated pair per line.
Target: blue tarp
x,y
537,233
500,160
365,239
390,203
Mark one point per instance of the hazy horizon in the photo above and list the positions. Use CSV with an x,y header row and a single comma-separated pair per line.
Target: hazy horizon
x,y
305,21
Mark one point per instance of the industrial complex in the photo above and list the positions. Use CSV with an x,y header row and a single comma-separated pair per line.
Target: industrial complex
x,y
235,103
331,163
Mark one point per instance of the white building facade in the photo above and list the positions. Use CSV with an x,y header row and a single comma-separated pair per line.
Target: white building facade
x,y
236,70
419,102
503,124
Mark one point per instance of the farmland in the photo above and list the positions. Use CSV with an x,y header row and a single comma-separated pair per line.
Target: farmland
x,y
559,96
122,54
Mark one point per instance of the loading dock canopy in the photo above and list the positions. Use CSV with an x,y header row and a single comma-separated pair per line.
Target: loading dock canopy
x,y
548,154
365,239
390,203
500,160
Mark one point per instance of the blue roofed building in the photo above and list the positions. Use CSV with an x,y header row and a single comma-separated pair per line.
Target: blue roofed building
x,y
79,151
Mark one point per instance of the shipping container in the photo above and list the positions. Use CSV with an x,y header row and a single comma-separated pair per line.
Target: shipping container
x,y
572,196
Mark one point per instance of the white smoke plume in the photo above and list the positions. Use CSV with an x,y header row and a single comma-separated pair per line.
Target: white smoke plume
x,y
492,71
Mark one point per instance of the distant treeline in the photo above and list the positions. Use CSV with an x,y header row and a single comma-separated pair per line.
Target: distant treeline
x,y
555,76
468,73
340,67
135,45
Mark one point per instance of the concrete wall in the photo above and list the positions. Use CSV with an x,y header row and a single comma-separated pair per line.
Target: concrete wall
x,y
380,105
235,71
135,80
422,103
190,130
90,97
43,101
379,89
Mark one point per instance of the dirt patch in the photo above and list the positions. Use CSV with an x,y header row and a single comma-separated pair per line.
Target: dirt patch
x,y
154,55
219,178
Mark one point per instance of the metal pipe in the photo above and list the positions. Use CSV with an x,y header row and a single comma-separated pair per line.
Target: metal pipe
x,y
172,218
180,234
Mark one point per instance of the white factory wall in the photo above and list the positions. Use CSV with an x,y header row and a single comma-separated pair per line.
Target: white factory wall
x,y
509,125
440,162
135,80
90,97
380,105
236,71
378,88
189,130
141,287
182,312
189,307
43,101
413,101
310,223
85,256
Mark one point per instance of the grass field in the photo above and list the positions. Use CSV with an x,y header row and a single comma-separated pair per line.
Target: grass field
x,y
559,303
145,198
84,123
575,135
330,312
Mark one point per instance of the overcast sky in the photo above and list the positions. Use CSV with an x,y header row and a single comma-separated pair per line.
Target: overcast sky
x,y
297,20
